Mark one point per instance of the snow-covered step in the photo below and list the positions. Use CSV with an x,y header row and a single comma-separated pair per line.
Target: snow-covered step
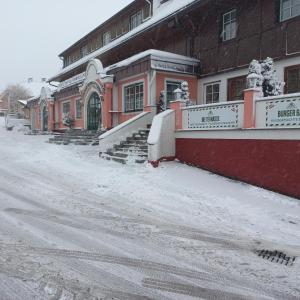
x,y
77,137
133,149
122,160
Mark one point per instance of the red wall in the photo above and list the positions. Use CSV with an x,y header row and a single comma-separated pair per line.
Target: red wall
x,y
271,164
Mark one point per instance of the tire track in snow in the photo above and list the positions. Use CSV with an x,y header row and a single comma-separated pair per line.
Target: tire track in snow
x,y
92,256
195,291
16,289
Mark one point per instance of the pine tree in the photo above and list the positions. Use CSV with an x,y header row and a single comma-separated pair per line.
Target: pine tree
x,y
271,84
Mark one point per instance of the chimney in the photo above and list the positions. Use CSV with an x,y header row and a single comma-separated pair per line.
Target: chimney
x,y
43,79
30,80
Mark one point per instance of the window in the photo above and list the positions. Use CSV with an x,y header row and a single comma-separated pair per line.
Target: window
x,y
229,25
171,87
292,79
136,20
78,109
83,51
134,97
236,87
212,93
106,38
66,108
289,9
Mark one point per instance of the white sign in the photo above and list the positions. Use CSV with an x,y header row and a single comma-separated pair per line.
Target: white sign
x,y
221,116
283,113
170,66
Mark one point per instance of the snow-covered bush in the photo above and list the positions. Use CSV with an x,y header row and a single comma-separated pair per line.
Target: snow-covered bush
x,y
271,84
263,75
186,93
67,120
255,78
161,106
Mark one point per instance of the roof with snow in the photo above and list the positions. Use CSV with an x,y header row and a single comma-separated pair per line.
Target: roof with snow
x,y
163,12
155,54
23,102
34,87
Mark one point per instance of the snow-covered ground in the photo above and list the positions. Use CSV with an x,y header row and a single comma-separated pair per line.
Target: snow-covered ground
x,y
73,226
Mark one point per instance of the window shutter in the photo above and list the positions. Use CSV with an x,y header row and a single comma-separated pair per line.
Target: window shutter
x,y
277,10
221,28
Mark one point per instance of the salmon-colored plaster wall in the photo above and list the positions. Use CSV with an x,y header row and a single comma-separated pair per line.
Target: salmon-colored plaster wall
x,y
162,77
78,123
37,117
123,116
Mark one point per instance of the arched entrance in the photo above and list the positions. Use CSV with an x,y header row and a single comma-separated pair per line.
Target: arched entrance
x,y
94,112
45,118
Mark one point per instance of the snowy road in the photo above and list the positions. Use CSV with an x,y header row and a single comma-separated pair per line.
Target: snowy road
x,y
73,226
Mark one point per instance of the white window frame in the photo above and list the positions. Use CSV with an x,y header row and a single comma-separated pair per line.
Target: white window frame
x,y
166,86
62,106
290,8
140,12
124,95
205,89
84,51
232,23
106,38
76,109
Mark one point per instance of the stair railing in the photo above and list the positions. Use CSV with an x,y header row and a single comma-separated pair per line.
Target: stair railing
x,y
124,130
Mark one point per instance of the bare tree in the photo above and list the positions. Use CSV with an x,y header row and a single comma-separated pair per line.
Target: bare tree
x,y
12,94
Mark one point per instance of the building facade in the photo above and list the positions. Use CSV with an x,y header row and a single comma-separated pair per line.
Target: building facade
x,y
144,52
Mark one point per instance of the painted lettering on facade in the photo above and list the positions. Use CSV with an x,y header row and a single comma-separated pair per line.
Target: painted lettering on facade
x,y
169,66
283,113
221,116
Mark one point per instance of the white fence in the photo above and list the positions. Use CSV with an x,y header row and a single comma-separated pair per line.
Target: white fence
x,y
224,115
280,111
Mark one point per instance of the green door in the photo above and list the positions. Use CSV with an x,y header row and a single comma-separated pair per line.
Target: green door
x,y
45,119
94,112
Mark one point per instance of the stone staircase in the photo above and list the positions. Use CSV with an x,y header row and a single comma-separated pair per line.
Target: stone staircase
x,y
76,137
133,150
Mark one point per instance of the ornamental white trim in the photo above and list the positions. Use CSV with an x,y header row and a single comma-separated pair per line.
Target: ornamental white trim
x,y
72,81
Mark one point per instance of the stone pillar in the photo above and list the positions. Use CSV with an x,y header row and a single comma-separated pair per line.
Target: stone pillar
x,y
107,106
250,95
51,116
177,106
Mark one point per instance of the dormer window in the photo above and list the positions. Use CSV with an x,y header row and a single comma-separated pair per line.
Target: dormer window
x,y
289,9
229,25
106,38
136,20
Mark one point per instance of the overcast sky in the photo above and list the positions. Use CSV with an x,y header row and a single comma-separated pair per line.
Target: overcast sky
x,y
34,32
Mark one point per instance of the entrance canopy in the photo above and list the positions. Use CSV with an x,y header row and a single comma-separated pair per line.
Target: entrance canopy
x,y
161,60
